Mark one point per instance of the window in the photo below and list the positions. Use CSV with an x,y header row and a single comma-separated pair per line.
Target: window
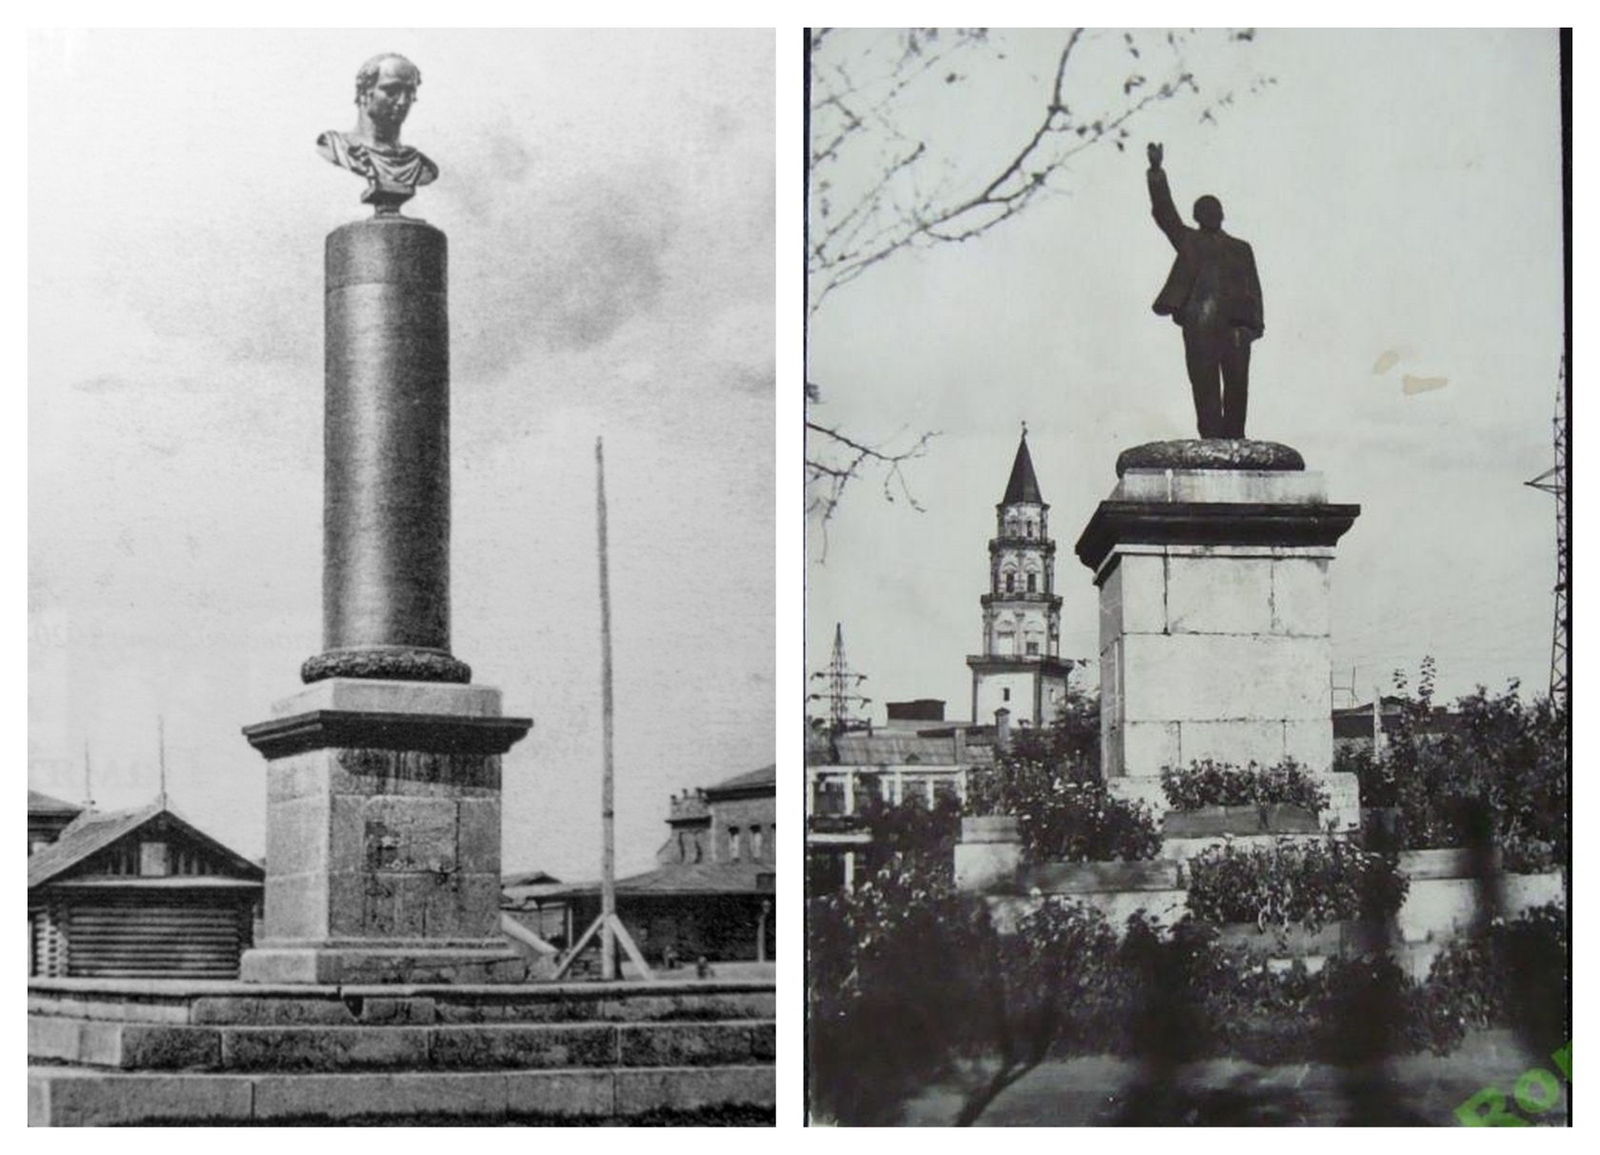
x,y
1033,649
153,860
733,844
1033,581
1030,529
755,844
1005,694
1011,582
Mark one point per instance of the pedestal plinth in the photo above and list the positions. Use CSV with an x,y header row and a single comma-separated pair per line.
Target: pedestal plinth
x,y
383,835
1214,620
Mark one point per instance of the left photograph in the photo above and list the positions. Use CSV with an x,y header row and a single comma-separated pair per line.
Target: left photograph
x,y
400,582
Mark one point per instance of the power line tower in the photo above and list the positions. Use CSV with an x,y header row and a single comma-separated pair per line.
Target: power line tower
x,y
843,701
1554,481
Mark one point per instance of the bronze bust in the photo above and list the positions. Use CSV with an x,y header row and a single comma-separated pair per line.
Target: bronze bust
x,y
386,88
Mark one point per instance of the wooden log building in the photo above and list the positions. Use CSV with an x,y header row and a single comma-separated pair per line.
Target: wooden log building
x,y
139,894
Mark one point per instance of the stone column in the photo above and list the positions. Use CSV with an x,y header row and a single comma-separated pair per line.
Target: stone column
x,y
383,782
1212,559
386,468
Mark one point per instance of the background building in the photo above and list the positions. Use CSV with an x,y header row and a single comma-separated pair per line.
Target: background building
x,y
711,895
139,894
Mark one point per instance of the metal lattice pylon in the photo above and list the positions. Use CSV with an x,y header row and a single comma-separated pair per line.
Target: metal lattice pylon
x,y
843,701
1554,481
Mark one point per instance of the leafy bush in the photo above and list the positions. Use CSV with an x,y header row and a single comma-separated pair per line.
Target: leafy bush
x,y
1191,998
1294,881
1494,767
1064,821
1209,783
1064,811
1515,973
913,834
907,978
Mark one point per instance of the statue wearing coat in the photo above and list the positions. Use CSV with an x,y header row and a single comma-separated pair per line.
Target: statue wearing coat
x,y
1214,295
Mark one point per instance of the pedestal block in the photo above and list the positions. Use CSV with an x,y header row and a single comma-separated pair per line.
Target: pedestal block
x,y
1214,622
383,835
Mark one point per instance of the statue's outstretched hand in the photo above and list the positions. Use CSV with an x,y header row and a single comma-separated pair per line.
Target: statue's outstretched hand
x,y
1153,151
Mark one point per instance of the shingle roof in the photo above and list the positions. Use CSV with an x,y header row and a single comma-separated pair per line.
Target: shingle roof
x,y
93,831
699,878
1023,486
766,776
44,804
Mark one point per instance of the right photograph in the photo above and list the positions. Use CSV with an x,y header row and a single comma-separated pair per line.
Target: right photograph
x,y
1187,727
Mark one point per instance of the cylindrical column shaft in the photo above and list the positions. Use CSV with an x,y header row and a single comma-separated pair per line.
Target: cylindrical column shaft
x,y
386,499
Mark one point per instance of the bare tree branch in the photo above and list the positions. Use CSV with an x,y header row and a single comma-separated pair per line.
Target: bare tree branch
x,y
879,173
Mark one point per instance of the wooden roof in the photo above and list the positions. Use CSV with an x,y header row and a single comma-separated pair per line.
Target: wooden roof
x,y
93,831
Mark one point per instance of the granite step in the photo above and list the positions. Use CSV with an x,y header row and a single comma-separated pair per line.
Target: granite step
x,y
398,1047
248,1004
76,1096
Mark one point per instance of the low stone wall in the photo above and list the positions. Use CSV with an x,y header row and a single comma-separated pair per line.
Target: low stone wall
x,y
1442,900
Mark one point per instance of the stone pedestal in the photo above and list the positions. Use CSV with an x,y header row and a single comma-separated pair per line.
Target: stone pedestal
x,y
383,835
1214,616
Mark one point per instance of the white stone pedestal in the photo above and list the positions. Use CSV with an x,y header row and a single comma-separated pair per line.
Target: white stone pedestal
x,y
1214,624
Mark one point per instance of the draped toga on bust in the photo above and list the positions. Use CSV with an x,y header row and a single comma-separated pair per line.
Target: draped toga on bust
x,y
392,167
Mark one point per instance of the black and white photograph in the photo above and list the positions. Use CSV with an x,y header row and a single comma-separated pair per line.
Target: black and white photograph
x,y
1187,601
400,414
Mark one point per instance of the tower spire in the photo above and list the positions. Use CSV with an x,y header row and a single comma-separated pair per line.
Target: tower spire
x,y
1023,485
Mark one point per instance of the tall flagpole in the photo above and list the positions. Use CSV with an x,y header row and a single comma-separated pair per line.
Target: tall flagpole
x,y
161,753
608,867
608,926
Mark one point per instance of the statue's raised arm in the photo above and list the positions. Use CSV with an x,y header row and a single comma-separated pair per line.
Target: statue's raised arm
x,y
386,88
1161,206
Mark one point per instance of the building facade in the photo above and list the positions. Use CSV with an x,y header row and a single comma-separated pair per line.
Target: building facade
x,y
1020,669
711,894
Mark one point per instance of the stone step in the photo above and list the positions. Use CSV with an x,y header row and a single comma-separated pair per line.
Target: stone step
x,y
248,1004
442,1046
76,1096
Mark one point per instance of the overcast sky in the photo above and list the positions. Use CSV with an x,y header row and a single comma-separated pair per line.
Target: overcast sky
x,y
1402,193
608,200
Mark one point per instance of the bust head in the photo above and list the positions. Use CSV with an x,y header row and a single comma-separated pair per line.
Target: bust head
x,y
386,88
1208,213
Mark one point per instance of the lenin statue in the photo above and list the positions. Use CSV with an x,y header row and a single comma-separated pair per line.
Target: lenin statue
x,y
1213,293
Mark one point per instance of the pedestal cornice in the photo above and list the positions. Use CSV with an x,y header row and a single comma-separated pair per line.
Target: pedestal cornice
x,y
360,729
1210,523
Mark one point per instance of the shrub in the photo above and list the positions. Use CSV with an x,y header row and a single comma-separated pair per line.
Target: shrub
x,y
906,978
1294,881
1495,767
1209,783
1063,809
1190,998
1065,821
1515,973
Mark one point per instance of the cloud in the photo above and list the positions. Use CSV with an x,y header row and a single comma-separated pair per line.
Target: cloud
x,y
555,258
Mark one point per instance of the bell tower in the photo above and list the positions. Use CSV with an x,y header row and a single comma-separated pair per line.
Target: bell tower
x,y
1020,668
